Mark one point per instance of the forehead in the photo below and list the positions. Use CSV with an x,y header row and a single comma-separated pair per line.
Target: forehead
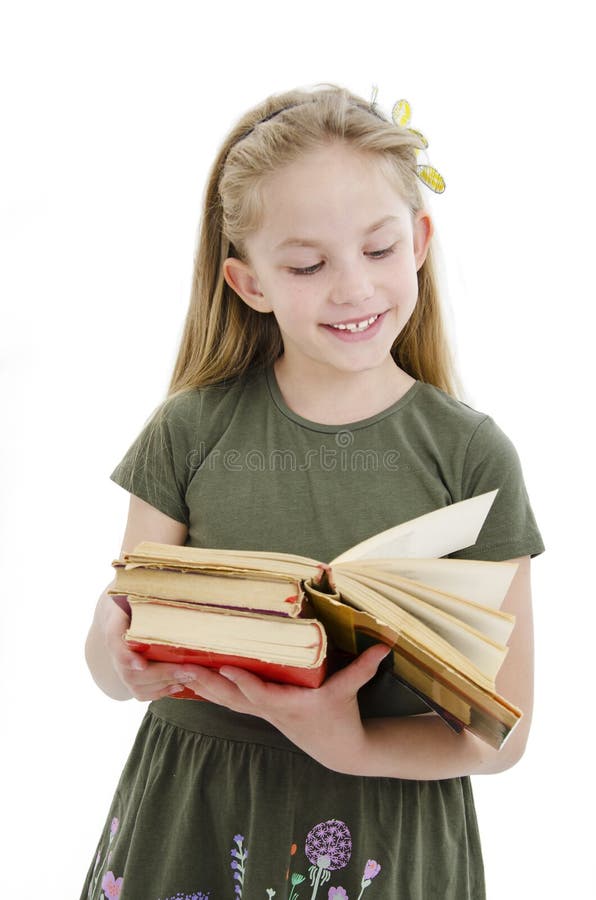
x,y
328,189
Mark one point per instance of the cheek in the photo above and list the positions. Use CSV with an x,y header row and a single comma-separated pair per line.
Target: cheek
x,y
296,303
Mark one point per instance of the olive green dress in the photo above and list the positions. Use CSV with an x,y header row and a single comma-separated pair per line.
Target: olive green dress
x,y
214,804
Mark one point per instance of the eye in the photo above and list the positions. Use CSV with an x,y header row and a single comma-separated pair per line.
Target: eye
x,y
308,270
381,254
374,254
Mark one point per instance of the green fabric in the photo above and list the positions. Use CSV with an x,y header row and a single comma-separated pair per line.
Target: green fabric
x,y
245,472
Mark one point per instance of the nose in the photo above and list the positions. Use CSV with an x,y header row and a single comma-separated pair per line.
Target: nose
x,y
351,283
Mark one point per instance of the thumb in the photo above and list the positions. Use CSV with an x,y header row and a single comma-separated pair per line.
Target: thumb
x,y
357,673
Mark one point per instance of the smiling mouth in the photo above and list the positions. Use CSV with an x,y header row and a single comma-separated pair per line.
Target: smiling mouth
x,y
356,324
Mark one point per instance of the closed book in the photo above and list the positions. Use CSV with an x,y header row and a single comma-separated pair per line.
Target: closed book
x,y
289,651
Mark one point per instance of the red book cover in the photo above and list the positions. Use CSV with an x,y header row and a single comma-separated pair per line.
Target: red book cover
x,y
299,675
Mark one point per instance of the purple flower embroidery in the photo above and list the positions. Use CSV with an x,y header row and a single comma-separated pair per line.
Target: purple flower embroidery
x,y
330,840
238,863
196,896
328,847
337,893
371,870
111,886
114,826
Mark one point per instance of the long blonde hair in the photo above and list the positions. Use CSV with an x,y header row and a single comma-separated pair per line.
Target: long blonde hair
x,y
223,337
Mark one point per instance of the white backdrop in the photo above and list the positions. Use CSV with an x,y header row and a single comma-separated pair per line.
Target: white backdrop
x,y
111,115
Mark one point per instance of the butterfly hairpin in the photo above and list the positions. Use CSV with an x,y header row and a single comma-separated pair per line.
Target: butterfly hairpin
x,y
401,115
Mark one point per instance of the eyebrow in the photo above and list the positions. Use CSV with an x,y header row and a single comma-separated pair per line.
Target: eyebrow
x,y
303,242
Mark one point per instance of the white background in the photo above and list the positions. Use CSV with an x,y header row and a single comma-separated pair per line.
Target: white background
x,y
111,114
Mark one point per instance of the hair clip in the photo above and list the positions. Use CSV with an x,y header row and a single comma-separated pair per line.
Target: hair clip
x,y
401,114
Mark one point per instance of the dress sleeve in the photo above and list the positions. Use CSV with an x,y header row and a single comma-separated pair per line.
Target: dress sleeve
x,y
155,467
510,529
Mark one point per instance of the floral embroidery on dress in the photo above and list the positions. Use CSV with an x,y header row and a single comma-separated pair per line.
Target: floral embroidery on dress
x,y
328,848
238,864
196,896
371,870
110,887
295,879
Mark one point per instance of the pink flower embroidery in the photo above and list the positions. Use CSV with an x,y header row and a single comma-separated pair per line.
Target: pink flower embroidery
x,y
111,886
114,826
337,893
371,870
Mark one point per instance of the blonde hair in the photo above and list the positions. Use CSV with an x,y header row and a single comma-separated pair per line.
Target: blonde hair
x,y
223,337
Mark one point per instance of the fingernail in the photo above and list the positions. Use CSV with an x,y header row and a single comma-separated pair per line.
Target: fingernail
x,y
184,677
231,676
137,665
175,688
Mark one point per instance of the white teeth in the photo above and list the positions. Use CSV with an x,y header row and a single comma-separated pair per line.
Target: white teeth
x,y
360,326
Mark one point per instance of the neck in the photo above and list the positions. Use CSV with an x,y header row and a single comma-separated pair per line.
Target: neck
x,y
337,398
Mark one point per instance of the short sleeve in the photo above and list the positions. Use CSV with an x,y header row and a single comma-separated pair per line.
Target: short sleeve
x,y
155,467
510,530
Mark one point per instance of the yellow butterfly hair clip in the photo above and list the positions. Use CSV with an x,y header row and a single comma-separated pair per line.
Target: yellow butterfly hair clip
x,y
401,114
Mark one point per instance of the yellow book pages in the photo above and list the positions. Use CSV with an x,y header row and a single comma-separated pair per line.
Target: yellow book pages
x,y
249,563
481,650
402,624
485,713
475,581
280,595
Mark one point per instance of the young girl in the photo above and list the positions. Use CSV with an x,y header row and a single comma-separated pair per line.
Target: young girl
x,y
311,406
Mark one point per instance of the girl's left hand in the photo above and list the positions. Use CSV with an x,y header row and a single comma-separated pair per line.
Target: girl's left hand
x,y
324,722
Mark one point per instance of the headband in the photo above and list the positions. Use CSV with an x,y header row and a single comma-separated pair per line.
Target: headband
x,y
400,114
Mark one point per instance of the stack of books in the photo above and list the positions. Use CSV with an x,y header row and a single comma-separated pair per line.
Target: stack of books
x,y
273,613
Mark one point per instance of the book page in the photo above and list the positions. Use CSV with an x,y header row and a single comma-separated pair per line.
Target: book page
x,y
435,534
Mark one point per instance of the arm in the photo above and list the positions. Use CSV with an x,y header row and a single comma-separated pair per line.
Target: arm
x,y
120,673
326,722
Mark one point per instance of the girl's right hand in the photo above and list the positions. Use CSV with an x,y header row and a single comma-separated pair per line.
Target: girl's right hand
x,y
118,671
143,679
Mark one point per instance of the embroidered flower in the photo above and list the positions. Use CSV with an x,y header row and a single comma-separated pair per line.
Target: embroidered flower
x,y
329,844
337,893
199,895
296,879
328,847
111,886
371,869
238,863
114,826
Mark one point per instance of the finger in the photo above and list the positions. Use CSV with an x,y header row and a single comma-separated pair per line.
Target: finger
x,y
238,690
354,676
256,691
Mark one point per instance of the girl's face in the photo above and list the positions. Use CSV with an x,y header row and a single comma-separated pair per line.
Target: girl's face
x,y
335,261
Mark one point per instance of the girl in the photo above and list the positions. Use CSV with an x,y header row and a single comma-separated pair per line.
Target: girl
x,y
311,405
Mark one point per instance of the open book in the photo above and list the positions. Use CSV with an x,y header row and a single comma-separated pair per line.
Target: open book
x,y
442,617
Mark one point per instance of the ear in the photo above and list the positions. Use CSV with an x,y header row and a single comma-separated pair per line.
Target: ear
x,y
423,231
243,280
